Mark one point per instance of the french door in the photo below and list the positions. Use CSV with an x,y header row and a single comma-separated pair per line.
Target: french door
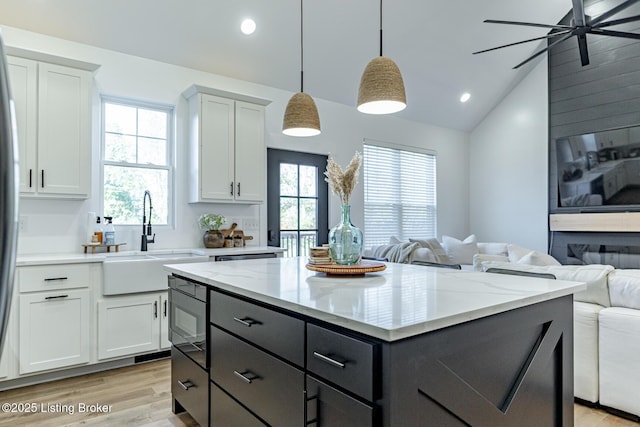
x,y
297,199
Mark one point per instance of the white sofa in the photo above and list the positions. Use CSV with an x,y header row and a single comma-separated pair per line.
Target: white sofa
x,y
606,314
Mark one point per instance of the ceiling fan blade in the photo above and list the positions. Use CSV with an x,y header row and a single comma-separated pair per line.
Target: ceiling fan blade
x,y
528,24
548,36
612,12
541,51
617,21
622,34
578,12
584,52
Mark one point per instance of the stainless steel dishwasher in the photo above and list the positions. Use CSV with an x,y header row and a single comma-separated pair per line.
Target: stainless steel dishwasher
x,y
243,256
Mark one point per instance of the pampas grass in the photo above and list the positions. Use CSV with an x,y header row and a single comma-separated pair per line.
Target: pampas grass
x,y
342,182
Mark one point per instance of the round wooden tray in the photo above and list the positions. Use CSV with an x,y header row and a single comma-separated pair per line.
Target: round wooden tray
x,y
364,266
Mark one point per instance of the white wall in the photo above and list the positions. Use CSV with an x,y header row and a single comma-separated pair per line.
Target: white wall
x,y
508,167
58,226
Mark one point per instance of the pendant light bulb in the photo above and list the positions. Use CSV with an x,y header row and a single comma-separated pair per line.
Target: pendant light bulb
x,y
301,115
381,88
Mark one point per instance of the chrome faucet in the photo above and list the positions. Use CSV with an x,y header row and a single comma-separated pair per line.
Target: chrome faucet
x,y
146,229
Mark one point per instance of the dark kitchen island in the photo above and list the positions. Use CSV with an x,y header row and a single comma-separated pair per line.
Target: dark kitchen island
x,y
408,346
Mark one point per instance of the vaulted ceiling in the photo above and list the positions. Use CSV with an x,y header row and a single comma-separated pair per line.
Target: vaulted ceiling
x,y
431,41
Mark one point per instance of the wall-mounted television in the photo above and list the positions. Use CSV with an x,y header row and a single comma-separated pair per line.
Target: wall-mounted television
x,y
595,172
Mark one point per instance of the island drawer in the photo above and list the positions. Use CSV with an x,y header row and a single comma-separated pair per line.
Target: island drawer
x,y
269,387
227,412
190,386
276,332
343,360
54,277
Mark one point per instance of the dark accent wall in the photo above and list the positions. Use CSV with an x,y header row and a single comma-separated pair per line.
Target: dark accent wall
x,y
602,95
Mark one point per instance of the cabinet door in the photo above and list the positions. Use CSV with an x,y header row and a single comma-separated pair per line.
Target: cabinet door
x,y
23,74
216,148
164,321
64,138
250,152
128,325
54,330
327,407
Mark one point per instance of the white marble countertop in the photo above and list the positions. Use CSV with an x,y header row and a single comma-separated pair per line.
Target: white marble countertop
x,y
399,302
45,259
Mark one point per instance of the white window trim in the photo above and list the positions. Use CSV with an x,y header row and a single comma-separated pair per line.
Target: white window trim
x,y
171,148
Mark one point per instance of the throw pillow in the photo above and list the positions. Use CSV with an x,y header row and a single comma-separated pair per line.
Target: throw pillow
x,y
439,254
460,251
480,258
492,248
516,252
538,258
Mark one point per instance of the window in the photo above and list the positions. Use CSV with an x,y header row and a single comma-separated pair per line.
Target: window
x,y
297,196
136,156
399,194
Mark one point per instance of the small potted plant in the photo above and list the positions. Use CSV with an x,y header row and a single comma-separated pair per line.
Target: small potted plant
x,y
211,223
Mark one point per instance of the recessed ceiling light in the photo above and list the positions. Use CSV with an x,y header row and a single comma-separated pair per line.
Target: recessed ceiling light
x,y
248,26
465,97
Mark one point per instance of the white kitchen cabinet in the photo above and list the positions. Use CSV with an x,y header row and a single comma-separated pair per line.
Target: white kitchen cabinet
x,y
610,184
227,148
53,329
621,177
612,138
632,168
132,324
53,117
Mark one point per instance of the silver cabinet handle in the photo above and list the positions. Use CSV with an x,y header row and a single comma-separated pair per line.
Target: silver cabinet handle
x,y
186,385
51,279
328,360
243,376
247,321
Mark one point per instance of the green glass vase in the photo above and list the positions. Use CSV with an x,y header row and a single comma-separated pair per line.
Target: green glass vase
x,y
345,240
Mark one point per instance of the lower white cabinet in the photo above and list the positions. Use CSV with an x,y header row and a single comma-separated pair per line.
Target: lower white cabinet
x,y
132,324
54,329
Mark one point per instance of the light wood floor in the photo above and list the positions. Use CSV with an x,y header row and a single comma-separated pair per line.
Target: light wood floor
x,y
141,396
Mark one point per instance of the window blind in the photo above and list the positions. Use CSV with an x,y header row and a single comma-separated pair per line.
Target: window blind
x,y
399,194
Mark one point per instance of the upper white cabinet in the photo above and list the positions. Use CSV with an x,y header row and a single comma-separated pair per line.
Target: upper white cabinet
x,y
53,114
227,147
612,138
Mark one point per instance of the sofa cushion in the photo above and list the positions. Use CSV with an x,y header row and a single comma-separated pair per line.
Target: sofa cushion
x,y
594,275
480,258
437,251
516,252
493,248
460,251
538,258
624,288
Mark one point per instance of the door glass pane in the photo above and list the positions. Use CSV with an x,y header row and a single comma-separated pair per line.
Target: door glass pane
x,y
308,214
308,239
288,179
288,213
289,241
308,181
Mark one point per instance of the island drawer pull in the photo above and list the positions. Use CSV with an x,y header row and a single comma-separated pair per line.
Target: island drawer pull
x,y
186,385
243,376
328,360
247,321
51,279
56,297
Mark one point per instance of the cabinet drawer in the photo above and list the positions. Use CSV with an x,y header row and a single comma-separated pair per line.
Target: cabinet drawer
x,y
330,407
52,277
270,388
273,331
343,360
190,386
227,412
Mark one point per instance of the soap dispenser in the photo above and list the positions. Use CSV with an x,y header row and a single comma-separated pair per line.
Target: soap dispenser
x,y
98,232
109,231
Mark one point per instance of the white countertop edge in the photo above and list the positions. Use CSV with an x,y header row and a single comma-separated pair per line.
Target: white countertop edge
x,y
376,331
70,258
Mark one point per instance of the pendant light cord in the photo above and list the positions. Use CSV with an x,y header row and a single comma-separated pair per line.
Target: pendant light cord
x,y
380,27
301,49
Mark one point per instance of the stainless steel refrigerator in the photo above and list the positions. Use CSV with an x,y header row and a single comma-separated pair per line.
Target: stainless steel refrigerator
x,y
9,181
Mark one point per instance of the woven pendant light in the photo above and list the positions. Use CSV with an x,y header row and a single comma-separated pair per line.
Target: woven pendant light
x,y
301,115
381,86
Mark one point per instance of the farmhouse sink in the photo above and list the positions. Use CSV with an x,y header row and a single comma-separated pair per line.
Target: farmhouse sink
x,y
141,272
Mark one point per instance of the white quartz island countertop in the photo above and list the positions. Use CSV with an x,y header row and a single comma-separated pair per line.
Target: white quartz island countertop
x,y
399,302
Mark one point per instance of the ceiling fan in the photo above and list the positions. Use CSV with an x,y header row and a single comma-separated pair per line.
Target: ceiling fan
x,y
581,25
